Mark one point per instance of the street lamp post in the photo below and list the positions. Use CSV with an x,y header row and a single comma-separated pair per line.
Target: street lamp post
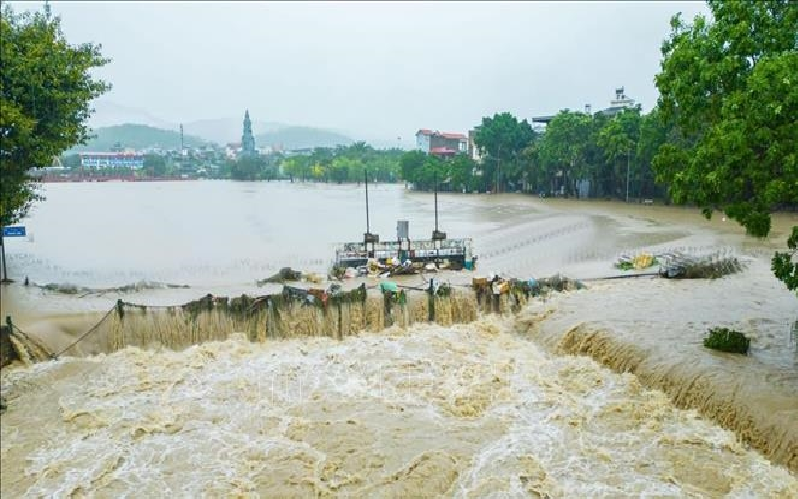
x,y
437,235
628,154
368,237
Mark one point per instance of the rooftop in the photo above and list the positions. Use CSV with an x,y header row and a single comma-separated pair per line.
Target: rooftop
x,y
445,135
125,154
442,150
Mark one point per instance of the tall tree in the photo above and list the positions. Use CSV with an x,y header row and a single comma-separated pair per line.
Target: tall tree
x,y
45,94
619,138
503,138
155,165
654,133
563,149
731,86
410,164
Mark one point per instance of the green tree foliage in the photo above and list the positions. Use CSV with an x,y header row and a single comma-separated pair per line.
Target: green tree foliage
x,y
410,163
345,164
619,139
784,264
136,137
252,168
452,174
730,85
502,138
653,134
563,149
155,165
45,91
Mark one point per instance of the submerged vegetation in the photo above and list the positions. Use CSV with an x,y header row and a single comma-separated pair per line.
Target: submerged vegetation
x,y
727,340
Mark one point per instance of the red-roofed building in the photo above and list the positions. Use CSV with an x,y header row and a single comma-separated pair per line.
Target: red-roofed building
x,y
443,151
441,143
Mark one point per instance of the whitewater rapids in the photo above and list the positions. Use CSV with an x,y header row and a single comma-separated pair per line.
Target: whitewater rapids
x,y
460,411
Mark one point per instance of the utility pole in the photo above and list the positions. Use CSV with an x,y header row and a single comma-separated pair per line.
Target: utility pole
x,y
366,181
368,237
437,236
628,154
3,248
498,168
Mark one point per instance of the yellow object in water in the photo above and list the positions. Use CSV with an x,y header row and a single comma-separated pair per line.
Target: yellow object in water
x,y
643,261
315,278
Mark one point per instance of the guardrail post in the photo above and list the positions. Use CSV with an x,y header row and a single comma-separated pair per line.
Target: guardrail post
x,y
340,319
387,299
431,302
120,308
363,300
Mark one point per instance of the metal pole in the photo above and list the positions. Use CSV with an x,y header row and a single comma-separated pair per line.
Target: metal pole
x,y
435,240
498,169
3,248
628,154
366,178
435,180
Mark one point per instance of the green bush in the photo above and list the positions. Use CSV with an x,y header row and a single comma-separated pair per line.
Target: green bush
x,y
727,340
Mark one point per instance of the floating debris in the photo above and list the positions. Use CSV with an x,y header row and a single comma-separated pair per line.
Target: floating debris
x,y
286,274
679,266
639,262
72,289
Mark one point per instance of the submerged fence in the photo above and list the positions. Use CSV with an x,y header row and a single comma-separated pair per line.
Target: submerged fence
x,y
294,313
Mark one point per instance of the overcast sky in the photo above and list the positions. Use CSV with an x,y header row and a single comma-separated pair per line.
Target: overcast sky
x,y
372,69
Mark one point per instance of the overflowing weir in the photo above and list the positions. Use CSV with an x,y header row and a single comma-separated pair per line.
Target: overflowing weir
x,y
295,313
301,314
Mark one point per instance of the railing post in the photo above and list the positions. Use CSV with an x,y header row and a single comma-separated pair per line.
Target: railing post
x,y
363,300
431,301
387,298
8,353
340,319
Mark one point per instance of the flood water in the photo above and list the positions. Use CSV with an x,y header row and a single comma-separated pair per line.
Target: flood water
x,y
498,408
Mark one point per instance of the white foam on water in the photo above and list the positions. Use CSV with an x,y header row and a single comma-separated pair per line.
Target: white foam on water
x,y
465,411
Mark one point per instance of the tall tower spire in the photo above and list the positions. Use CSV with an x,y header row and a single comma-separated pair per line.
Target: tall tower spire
x,y
247,139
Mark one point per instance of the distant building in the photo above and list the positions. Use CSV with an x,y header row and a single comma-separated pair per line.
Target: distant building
x,y
619,103
247,139
303,151
232,150
443,144
102,160
473,150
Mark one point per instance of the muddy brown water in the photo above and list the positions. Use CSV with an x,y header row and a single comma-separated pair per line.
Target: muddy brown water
x,y
499,407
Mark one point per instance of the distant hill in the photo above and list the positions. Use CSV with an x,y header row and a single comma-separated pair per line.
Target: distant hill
x,y
299,137
109,113
136,137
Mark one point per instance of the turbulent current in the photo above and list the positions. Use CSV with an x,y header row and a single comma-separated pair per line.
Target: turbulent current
x,y
464,411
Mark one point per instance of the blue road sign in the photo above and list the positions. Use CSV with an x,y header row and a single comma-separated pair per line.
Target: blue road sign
x,y
14,231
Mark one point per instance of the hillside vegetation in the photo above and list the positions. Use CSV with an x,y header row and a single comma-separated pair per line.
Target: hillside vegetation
x,y
136,137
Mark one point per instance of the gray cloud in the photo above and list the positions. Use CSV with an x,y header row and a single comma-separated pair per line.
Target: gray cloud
x,y
372,69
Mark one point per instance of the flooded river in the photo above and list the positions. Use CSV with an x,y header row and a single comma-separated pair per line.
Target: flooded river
x,y
498,408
